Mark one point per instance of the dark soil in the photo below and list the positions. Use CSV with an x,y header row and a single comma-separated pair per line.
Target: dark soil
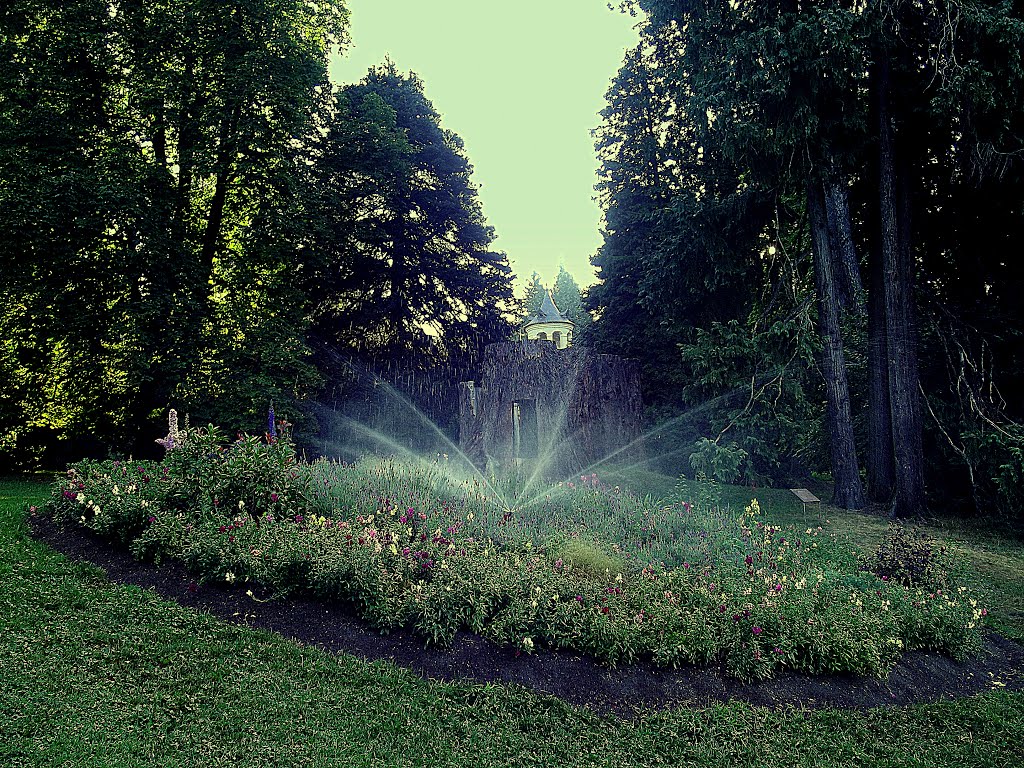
x,y
917,678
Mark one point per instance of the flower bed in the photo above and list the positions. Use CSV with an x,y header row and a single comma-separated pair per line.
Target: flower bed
x,y
577,566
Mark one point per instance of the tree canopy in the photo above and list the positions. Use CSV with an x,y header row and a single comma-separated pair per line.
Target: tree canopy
x,y
185,200
757,157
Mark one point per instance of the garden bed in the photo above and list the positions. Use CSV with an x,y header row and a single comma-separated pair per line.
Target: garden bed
x,y
916,678
579,567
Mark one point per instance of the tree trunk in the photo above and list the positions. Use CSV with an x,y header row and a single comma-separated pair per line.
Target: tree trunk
x,y
848,492
880,462
227,151
901,340
159,135
837,205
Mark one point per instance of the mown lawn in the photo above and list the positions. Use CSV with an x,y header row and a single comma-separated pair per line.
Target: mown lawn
x,y
98,674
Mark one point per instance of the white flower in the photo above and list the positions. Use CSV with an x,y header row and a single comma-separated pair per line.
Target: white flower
x,y
528,643
229,577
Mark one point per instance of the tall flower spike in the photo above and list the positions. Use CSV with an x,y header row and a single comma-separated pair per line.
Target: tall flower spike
x,y
171,441
271,421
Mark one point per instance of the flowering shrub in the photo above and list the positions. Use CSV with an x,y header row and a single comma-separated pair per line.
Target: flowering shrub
x,y
910,557
415,546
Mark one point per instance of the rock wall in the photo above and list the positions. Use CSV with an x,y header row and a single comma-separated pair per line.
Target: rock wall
x,y
587,407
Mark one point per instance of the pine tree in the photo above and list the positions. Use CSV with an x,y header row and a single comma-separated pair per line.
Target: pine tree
x,y
404,258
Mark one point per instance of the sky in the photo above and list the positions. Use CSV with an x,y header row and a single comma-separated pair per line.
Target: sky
x,y
522,84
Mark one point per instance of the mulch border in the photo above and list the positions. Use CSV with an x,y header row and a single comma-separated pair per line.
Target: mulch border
x,y
917,678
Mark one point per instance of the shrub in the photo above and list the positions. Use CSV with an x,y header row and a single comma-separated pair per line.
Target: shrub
x,y
722,463
586,557
911,557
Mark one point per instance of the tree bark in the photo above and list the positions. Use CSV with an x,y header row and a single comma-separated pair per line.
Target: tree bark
x,y
848,492
880,462
159,135
901,339
837,206
225,166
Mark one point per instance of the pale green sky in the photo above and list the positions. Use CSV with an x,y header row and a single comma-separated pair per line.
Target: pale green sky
x,y
522,84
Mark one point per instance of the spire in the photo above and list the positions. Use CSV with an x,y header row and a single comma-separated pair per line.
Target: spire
x,y
549,324
549,313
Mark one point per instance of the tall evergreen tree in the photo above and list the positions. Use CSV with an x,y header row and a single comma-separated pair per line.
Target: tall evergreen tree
x,y
404,256
534,296
569,300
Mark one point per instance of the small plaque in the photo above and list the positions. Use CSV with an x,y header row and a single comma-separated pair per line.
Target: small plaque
x,y
805,496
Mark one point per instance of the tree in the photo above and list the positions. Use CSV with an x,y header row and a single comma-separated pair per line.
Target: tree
x,y
534,296
404,257
569,300
143,146
784,99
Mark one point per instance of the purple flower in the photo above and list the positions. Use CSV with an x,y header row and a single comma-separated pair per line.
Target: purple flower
x,y
271,421
757,630
274,497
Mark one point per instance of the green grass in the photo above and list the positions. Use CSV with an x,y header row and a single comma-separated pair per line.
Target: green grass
x,y
96,674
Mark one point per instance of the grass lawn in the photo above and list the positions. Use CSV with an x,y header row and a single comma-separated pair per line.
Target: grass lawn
x,y
99,674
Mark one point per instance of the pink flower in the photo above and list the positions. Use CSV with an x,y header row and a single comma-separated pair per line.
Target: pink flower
x,y
757,630
274,497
